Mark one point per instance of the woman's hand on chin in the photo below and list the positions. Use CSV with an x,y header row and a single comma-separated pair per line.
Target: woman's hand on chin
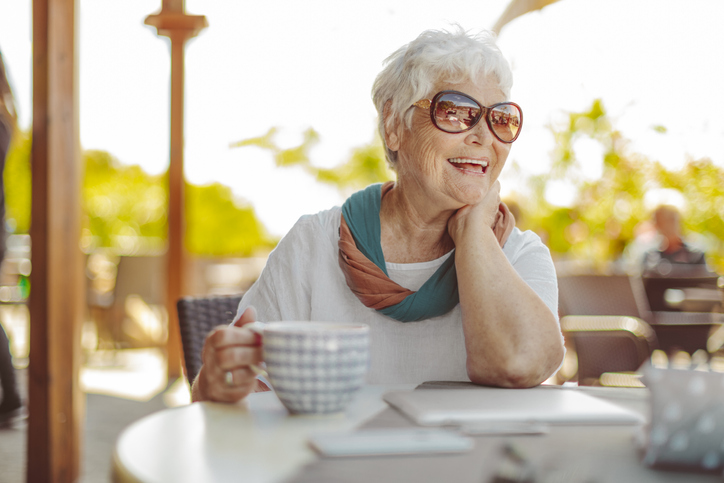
x,y
227,356
472,219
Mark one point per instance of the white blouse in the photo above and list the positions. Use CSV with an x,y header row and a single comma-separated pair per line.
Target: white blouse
x,y
302,280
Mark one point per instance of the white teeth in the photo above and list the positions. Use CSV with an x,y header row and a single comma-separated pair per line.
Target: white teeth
x,y
468,161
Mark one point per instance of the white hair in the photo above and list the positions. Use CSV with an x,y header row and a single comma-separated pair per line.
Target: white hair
x,y
435,56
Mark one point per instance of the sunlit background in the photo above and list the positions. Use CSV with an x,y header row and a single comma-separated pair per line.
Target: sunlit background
x,y
297,65
645,72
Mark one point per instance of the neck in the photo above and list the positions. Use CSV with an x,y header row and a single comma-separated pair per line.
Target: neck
x,y
413,230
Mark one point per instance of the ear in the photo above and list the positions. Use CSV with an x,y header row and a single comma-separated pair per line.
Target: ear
x,y
392,128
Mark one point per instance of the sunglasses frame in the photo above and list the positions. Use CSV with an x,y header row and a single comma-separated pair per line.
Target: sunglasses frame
x,y
428,104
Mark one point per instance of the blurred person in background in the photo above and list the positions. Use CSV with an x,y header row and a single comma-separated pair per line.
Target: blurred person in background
x,y
11,406
672,255
432,262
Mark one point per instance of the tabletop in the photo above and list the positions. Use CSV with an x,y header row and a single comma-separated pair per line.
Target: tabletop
x,y
258,441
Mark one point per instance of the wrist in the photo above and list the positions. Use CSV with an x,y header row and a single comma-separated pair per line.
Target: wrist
x,y
476,244
198,388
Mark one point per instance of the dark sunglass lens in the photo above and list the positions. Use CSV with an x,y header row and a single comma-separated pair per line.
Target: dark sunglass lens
x,y
505,121
455,112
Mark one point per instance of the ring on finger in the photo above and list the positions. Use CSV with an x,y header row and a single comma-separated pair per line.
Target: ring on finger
x,y
229,378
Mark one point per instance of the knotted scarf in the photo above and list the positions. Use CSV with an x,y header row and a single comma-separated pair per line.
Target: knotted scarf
x,y
364,268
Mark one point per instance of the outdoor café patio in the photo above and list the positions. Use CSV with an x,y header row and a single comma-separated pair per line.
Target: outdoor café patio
x,y
108,294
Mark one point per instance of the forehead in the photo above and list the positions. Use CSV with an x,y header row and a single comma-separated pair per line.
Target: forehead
x,y
666,215
486,91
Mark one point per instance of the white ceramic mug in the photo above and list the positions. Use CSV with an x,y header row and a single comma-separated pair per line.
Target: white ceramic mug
x,y
315,367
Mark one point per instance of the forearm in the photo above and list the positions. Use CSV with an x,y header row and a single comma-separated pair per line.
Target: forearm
x,y
512,338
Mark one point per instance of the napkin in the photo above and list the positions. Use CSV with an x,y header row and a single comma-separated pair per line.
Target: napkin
x,y
686,427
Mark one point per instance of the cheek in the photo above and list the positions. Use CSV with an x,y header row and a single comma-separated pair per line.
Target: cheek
x,y
502,151
501,154
420,152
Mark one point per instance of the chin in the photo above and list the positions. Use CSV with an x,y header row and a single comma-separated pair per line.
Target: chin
x,y
471,196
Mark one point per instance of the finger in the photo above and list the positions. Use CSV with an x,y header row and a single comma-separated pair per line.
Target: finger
x,y
231,358
217,348
231,336
222,392
247,317
239,377
235,380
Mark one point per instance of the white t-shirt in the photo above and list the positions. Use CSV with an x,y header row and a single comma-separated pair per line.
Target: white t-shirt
x,y
302,280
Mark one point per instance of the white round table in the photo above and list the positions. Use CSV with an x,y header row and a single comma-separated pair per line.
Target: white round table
x,y
256,440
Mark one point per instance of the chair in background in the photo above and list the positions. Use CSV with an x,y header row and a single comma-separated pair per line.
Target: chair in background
x,y
608,344
698,293
197,317
112,281
602,295
686,309
627,295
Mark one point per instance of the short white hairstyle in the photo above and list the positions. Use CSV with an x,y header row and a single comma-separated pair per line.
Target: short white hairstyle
x,y
435,56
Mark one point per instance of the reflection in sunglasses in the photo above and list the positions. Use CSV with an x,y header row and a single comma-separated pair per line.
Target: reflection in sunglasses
x,y
448,108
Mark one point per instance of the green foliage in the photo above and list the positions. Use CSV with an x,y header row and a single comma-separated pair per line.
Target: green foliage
x,y
217,225
125,209
366,164
17,183
607,211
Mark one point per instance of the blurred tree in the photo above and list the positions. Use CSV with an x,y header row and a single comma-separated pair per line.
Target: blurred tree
x,y
366,164
125,206
17,184
602,220
125,209
219,225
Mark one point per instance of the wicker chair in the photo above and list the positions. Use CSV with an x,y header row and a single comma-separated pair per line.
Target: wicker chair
x,y
608,344
197,316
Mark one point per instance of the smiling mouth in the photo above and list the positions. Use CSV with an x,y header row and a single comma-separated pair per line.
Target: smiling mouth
x,y
466,164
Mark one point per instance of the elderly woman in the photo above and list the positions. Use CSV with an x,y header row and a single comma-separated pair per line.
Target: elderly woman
x,y
432,263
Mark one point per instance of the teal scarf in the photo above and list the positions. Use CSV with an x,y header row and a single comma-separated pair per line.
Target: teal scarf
x,y
436,297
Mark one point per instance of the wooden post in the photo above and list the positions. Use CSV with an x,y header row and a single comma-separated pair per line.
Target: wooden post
x,y
55,401
173,23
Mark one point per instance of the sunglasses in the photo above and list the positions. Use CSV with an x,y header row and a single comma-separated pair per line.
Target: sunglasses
x,y
455,112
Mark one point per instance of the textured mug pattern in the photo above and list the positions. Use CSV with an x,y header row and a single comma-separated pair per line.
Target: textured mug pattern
x,y
317,371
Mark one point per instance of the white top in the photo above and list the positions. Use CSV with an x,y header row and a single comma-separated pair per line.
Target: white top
x,y
302,280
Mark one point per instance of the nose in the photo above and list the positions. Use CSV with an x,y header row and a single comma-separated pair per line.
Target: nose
x,y
480,134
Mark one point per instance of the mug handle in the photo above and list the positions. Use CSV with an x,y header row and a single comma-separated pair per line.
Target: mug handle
x,y
258,328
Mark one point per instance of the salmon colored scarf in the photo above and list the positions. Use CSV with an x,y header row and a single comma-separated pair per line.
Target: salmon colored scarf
x,y
364,268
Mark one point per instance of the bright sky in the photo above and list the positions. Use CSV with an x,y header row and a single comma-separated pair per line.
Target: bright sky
x,y
264,64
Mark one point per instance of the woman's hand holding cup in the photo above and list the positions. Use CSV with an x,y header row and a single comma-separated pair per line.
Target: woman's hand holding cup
x,y
230,358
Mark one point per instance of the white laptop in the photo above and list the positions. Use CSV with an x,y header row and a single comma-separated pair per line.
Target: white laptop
x,y
550,405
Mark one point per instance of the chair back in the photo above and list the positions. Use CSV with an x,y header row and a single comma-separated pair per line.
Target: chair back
x,y
197,317
709,300
602,295
608,344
